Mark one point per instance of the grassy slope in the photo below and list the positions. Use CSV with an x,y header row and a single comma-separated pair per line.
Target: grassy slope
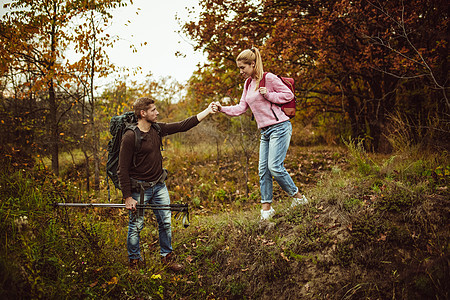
x,y
375,228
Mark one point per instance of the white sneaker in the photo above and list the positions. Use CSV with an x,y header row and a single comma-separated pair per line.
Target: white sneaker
x,y
267,214
299,201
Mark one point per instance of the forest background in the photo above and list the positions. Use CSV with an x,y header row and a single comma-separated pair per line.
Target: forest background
x,y
371,77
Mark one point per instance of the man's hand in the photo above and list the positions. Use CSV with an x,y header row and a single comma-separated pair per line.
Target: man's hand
x,y
206,112
130,203
212,108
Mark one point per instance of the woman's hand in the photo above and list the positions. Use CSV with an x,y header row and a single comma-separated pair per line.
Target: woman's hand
x,y
263,90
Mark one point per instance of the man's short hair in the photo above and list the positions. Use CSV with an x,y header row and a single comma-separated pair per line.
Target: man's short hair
x,y
142,104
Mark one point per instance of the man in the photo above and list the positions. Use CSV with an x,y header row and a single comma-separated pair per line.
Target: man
x,y
145,165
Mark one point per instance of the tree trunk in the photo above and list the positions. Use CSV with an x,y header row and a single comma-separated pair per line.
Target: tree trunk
x,y
54,135
88,175
353,110
96,159
95,132
383,103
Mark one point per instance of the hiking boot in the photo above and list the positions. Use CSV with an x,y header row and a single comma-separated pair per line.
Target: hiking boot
x,y
267,214
170,261
134,264
299,201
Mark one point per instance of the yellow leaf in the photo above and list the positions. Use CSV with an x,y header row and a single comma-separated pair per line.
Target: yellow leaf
x,y
113,280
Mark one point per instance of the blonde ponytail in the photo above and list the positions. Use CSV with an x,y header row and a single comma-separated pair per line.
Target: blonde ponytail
x,y
252,55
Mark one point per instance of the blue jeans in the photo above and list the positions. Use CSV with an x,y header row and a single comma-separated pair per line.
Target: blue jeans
x,y
158,195
273,147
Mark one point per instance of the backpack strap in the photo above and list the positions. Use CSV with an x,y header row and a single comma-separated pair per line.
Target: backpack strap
x,y
158,129
262,83
247,83
137,140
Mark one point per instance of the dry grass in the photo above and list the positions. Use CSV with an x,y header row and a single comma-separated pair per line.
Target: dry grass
x,y
379,231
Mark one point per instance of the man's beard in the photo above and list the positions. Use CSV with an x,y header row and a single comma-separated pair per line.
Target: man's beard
x,y
150,120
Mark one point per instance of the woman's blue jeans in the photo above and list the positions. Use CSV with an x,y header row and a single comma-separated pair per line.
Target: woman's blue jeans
x,y
273,147
158,195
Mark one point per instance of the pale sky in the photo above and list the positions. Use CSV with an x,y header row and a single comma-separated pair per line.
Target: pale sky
x,y
156,25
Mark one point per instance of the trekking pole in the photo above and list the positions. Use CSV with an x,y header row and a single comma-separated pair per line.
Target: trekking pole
x,y
179,208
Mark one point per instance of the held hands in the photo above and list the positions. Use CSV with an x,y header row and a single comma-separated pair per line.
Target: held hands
x,y
211,109
216,106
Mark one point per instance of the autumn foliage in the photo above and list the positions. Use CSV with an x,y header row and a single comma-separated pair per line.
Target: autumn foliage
x,y
355,62
371,76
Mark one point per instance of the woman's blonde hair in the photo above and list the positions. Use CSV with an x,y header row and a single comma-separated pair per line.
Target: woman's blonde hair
x,y
252,55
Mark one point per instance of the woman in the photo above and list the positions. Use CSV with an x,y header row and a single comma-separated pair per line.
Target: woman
x,y
276,129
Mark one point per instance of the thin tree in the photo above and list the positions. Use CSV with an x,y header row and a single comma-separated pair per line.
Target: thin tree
x,y
38,34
